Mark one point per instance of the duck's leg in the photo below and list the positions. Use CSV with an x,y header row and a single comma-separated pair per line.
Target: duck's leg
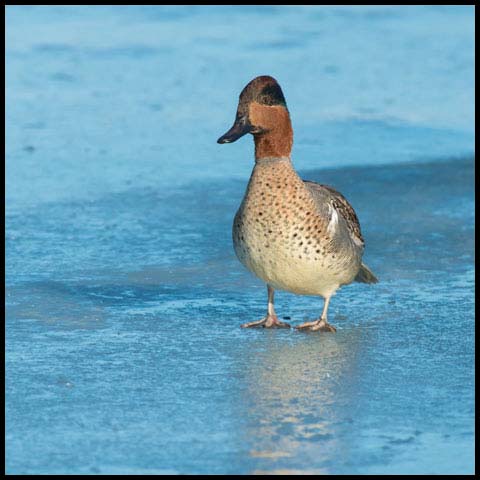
x,y
271,320
321,323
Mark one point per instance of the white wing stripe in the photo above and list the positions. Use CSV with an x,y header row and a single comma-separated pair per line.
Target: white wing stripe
x,y
332,224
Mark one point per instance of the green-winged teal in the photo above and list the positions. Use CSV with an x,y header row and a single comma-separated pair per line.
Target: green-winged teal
x,y
295,235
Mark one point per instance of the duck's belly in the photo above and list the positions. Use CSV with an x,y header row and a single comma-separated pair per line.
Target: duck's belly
x,y
288,259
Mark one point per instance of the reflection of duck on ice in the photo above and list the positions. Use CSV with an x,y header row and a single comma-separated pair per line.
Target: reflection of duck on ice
x,y
295,400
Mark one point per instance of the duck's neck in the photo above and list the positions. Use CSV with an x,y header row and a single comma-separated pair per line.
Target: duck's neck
x,y
275,143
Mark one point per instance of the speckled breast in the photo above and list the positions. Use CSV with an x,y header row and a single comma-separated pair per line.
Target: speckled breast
x,y
279,236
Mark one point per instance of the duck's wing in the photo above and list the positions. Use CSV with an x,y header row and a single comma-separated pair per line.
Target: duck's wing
x,y
326,196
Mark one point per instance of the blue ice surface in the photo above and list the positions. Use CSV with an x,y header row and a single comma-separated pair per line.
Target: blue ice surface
x,y
123,294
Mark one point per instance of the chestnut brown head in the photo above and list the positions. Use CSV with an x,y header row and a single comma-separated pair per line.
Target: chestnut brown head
x,y
261,110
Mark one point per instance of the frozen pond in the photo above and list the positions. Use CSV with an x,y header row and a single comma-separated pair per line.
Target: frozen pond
x,y
123,294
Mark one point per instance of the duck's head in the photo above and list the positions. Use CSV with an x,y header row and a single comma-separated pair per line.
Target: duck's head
x,y
262,111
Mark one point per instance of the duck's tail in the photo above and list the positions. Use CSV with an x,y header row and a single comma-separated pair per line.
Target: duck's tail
x,y
365,275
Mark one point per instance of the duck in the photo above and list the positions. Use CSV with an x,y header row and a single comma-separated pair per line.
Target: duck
x,y
295,235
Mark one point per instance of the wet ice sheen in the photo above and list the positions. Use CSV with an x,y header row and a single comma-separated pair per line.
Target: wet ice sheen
x,y
124,298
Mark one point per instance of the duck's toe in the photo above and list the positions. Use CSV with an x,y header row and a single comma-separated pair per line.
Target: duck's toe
x,y
319,325
323,327
269,321
306,325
